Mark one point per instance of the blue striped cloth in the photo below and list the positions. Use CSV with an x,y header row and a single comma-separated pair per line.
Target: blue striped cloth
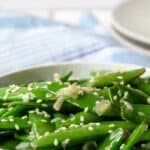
x,y
28,41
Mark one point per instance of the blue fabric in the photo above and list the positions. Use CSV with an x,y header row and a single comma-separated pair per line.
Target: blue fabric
x,y
27,41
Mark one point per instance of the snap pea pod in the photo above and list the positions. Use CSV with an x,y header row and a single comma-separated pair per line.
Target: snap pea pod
x,y
113,141
18,110
135,136
87,132
9,144
114,78
144,87
45,91
40,124
136,112
81,117
66,77
48,106
14,123
137,96
129,93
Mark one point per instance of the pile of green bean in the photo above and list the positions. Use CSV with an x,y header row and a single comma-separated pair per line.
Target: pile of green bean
x,y
105,111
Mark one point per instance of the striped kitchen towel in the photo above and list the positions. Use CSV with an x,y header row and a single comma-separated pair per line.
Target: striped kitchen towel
x,y
28,41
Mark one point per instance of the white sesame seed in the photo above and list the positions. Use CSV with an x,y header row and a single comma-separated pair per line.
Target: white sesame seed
x,y
49,82
55,142
90,128
110,131
128,85
97,102
115,97
17,127
119,92
148,100
46,133
140,113
39,101
122,83
65,142
97,123
112,125
3,120
44,105
120,77
82,118
24,117
43,120
126,93
121,147
86,109
11,119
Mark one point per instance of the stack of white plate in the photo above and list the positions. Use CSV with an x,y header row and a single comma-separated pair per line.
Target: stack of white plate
x,y
131,24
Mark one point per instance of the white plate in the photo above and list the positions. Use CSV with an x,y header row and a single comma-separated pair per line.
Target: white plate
x,y
44,73
132,18
130,43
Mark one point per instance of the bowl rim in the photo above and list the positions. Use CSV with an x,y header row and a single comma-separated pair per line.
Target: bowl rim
x,y
68,63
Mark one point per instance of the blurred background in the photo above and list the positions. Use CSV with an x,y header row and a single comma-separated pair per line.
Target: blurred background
x,y
37,32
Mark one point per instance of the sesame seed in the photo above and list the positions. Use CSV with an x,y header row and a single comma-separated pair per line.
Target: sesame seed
x,y
39,137
81,124
115,97
112,125
11,119
90,128
82,118
55,142
95,93
24,117
97,124
140,113
119,92
97,102
65,142
121,147
49,82
122,83
44,105
46,133
39,101
86,109
125,94
17,127
3,120
120,77
43,120
128,85
110,131
148,100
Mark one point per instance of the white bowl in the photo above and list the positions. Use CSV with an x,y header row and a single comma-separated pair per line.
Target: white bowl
x,y
44,73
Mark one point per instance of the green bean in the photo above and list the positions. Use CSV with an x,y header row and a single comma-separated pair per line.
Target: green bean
x,y
113,141
137,112
144,87
87,132
40,123
36,91
79,118
66,77
135,136
9,144
146,136
10,123
116,77
15,111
